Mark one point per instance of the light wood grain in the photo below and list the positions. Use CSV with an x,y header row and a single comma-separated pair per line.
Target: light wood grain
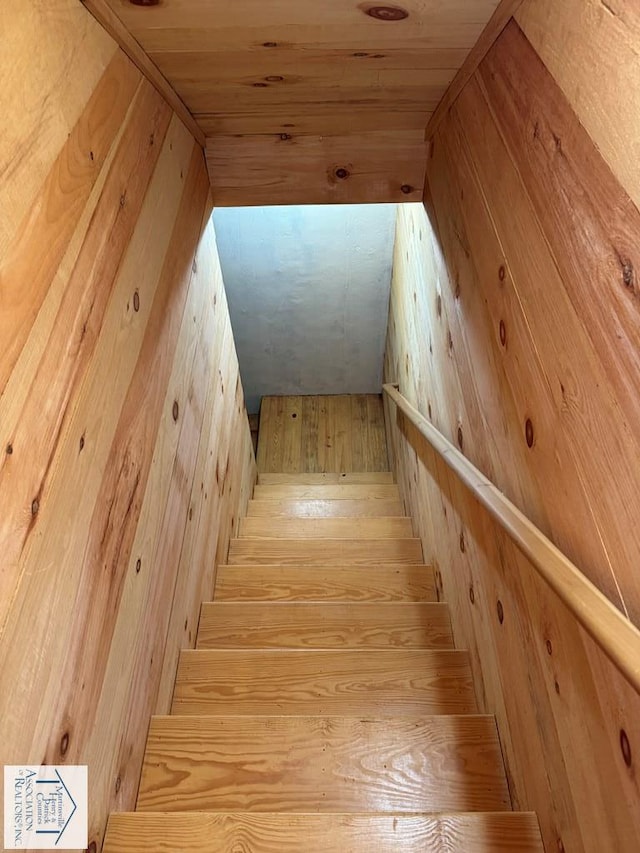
x,y
320,583
615,634
104,196
501,832
324,552
364,508
289,69
338,478
114,26
567,37
325,528
495,25
315,681
363,168
489,328
323,764
330,438
326,625
338,491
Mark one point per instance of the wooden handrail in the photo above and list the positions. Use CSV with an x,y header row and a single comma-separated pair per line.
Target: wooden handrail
x,y
616,635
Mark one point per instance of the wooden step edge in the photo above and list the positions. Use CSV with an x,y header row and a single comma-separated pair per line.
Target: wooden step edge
x,y
325,508
374,583
354,478
337,527
269,832
305,567
319,551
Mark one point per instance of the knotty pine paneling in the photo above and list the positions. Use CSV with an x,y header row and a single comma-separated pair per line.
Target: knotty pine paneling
x,y
126,454
317,434
363,168
512,326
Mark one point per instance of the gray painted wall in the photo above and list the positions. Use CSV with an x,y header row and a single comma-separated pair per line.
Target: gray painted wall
x,y
308,291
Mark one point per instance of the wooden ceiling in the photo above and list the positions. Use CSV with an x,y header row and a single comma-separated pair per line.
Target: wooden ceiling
x,y
304,101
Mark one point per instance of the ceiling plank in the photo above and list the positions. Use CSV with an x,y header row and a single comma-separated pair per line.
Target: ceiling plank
x,y
382,166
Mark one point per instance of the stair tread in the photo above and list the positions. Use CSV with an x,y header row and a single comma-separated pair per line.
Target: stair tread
x,y
337,491
327,478
319,681
324,508
224,832
324,625
325,551
276,582
323,764
397,527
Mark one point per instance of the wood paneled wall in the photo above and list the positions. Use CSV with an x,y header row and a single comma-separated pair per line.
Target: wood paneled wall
x,y
514,327
126,457
318,434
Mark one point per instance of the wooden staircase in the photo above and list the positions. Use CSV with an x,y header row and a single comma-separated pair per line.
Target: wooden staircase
x,y
325,707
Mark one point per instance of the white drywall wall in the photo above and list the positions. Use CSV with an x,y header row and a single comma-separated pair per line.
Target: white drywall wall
x,y
308,291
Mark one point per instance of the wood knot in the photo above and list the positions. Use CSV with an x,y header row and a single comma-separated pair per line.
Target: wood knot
x,y
460,438
269,44
175,411
502,272
274,78
429,410
64,744
503,333
500,610
285,136
386,13
260,85
81,442
406,189
9,449
628,274
472,595
92,848
118,784
35,506
625,747
549,647
342,173
462,542
138,565
528,432
439,305
136,301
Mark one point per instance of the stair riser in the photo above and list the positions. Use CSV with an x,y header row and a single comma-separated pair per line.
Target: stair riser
x,y
323,682
339,583
309,626
324,552
367,508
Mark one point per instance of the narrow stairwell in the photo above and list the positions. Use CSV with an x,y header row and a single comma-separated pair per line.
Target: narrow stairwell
x,y
325,707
